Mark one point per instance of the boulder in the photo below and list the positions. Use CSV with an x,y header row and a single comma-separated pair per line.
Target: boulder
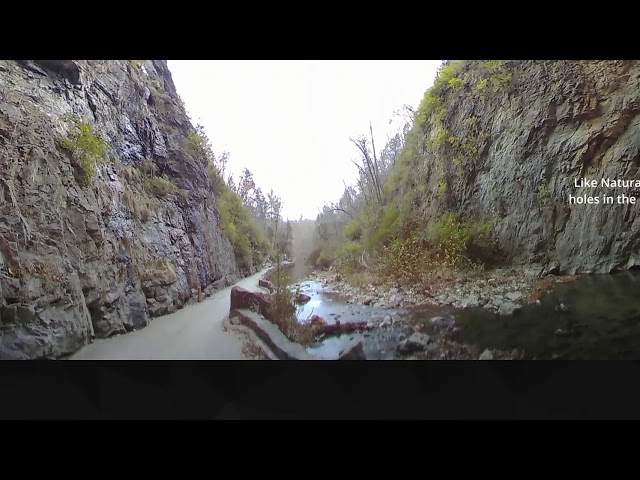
x,y
508,308
266,284
416,342
302,298
354,350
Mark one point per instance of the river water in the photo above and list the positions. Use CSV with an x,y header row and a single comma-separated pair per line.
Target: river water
x,y
599,319
594,317
379,344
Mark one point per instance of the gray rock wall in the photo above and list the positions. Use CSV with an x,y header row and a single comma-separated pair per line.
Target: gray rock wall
x,y
517,148
78,262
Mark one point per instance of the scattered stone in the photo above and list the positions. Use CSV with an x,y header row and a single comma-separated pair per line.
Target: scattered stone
x,y
354,350
368,300
395,318
514,296
562,308
470,301
486,355
416,342
509,308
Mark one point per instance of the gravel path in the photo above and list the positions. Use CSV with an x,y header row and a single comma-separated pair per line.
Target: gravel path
x,y
192,333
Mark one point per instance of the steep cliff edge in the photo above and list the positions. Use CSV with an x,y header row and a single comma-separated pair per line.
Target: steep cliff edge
x,y
505,140
107,214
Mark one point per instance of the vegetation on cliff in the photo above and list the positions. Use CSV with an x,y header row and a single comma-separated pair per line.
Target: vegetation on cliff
x,y
248,218
383,224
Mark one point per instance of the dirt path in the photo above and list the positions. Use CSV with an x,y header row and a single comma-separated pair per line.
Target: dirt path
x,y
193,333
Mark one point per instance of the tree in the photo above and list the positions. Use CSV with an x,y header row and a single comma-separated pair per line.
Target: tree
x,y
369,169
274,209
231,183
221,161
246,185
260,207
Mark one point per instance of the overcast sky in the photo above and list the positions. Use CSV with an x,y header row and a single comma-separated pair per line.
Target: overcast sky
x,y
289,122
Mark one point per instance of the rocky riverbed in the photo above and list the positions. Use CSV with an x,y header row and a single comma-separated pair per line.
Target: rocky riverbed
x,y
402,322
502,291
547,317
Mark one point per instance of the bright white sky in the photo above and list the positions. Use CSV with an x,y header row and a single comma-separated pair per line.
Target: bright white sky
x,y
289,122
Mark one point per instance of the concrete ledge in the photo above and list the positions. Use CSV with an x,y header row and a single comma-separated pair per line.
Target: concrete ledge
x,y
251,334
249,306
274,339
269,274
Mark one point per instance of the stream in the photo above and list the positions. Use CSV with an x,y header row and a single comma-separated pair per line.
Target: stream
x,y
594,317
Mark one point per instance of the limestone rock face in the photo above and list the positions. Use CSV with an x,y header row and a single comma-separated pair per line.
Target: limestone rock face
x,y
511,143
82,261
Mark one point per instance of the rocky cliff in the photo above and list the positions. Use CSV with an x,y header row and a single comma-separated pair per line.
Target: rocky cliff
x,y
107,216
505,140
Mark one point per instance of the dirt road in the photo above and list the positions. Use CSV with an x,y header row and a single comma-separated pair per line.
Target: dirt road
x,y
193,333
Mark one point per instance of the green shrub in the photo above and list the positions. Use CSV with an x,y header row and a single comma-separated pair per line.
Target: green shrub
x,y
148,167
284,311
353,230
216,181
499,75
470,121
441,137
348,257
388,227
161,186
324,260
455,84
244,235
87,149
405,257
447,79
453,239
196,145
442,187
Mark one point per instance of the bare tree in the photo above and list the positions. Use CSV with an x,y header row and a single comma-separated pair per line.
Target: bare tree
x,y
369,169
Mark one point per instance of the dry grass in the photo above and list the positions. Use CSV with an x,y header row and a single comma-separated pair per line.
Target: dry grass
x,y
543,285
252,351
161,186
284,310
148,167
135,198
150,267
139,205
